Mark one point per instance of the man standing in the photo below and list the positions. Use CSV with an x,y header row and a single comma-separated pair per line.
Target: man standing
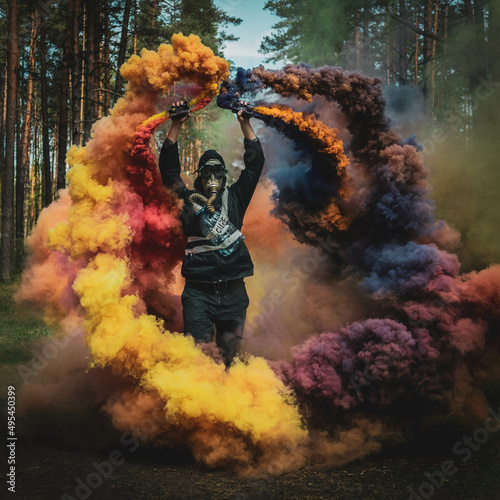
x,y
216,259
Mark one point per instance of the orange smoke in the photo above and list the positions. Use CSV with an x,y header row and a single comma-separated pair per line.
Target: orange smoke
x,y
186,59
326,137
328,142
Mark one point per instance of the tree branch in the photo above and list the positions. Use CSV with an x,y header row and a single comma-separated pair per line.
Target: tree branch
x,y
428,34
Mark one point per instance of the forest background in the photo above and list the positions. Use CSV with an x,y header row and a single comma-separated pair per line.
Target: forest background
x,y
439,61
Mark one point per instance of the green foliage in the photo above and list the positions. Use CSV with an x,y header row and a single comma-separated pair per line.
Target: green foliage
x,y
314,31
155,22
203,18
151,24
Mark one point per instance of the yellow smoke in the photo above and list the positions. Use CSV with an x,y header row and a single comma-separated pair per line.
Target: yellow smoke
x,y
197,393
247,408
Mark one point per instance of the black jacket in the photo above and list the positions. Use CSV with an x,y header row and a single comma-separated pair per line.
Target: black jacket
x,y
213,266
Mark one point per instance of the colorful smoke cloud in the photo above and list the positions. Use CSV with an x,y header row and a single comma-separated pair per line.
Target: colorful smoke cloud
x,y
421,345
381,321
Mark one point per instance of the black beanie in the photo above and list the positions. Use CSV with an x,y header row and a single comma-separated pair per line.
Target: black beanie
x,y
211,154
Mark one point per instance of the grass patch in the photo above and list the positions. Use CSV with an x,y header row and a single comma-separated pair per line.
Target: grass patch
x,y
20,327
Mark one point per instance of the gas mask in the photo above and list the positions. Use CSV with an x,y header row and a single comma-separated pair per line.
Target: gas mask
x,y
212,176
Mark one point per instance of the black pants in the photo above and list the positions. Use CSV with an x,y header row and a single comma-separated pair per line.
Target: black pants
x,y
224,306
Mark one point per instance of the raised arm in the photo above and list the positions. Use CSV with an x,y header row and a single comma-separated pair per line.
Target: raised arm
x,y
245,125
170,166
253,158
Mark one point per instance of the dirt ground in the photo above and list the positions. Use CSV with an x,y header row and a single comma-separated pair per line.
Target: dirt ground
x,y
52,470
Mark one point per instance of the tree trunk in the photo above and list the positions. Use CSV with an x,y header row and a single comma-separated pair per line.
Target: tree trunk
x,y
62,140
473,52
153,15
479,21
22,179
417,39
446,21
99,68
494,41
388,58
434,50
3,108
135,26
480,40
37,199
357,51
427,49
443,94
33,213
402,41
107,35
123,46
7,244
46,171
469,15
76,76
91,80
366,60
393,55
84,77
473,57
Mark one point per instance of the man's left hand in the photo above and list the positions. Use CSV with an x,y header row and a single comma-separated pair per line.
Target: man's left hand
x,y
240,116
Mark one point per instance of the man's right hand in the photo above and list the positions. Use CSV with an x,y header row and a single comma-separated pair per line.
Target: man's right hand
x,y
175,128
179,112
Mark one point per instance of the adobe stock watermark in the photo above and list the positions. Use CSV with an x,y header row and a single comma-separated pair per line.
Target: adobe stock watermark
x,y
463,448
48,352
88,483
